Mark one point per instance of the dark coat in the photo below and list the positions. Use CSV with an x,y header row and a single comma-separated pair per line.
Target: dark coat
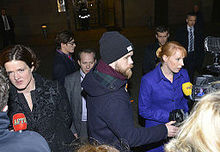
x,y
150,58
182,37
27,141
194,60
110,118
51,114
8,36
10,22
62,66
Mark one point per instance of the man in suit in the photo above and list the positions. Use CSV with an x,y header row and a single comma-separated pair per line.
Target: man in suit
x,y
150,58
64,63
7,29
192,39
87,59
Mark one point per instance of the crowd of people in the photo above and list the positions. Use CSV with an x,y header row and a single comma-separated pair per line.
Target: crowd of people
x,y
88,101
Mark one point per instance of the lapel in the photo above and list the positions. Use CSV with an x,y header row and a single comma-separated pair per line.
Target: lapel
x,y
76,91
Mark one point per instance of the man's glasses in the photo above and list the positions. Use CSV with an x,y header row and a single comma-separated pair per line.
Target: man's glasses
x,y
71,43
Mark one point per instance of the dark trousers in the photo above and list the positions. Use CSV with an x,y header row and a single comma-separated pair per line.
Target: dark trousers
x,y
84,132
8,38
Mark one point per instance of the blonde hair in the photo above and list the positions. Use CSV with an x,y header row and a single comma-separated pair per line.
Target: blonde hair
x,y
97,148
201,131
169,49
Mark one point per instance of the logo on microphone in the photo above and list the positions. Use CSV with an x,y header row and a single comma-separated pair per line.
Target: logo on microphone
x,y
20,121
187,88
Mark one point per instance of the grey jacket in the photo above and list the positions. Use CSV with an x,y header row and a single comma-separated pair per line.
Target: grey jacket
x,y
73,89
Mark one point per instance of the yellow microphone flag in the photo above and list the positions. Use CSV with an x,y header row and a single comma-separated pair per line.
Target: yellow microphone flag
x,y
187,88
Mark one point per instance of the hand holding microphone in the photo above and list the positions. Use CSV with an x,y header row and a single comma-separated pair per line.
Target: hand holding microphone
x,y
19,122
171,129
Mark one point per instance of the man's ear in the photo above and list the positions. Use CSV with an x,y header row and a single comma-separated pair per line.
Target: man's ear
x,y
79,62
168,35
62,45
113,64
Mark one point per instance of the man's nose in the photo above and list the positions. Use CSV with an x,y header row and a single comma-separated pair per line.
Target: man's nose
x,y
88,66
131,61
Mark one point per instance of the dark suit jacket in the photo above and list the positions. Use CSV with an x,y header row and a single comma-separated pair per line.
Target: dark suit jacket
x,y
73,89
10,22
62,67
182,37
150,58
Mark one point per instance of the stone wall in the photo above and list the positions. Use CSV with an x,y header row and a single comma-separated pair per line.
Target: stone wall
x,y
29,15
179,8
138,12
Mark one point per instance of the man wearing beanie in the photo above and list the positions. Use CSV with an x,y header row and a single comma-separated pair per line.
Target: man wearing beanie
x,y
110,119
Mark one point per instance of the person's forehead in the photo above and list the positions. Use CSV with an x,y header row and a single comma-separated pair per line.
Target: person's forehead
x,y
87,54
129,54
191,17
162,33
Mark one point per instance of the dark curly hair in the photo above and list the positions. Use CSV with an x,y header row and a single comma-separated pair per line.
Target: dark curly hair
x,y
4,87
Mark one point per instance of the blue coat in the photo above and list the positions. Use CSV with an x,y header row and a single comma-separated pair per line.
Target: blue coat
x,y
27,141
158,96
110,118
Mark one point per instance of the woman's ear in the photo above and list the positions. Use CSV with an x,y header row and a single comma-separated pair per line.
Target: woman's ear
x,y
32,66
165,58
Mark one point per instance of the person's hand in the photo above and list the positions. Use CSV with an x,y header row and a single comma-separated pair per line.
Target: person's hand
x,y
172,130
75,135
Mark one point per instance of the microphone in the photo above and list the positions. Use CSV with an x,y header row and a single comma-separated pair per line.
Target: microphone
x,y
187,89
19,122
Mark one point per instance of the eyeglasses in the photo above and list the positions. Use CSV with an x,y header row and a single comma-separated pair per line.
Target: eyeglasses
x,y
72,43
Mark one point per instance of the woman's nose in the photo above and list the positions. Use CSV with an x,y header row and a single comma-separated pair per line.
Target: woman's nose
x,y
16,76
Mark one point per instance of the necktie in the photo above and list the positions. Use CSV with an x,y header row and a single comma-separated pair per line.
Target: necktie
x,y
6,23
191,40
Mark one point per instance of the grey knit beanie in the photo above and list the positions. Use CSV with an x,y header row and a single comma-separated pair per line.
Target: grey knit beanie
x,y
113,46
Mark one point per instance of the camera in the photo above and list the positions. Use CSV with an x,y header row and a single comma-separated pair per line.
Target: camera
x,y
208,83
177,115
203,85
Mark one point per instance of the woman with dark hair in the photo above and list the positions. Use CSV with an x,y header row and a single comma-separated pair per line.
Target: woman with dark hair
x,y
64,64
161,89
43,102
